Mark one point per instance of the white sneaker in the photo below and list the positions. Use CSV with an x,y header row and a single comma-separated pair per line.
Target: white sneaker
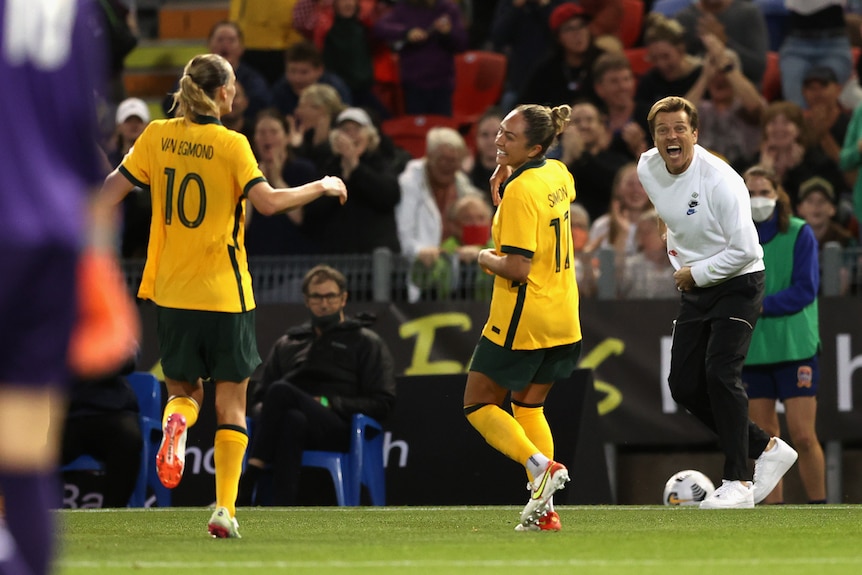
x,y
543,488
771,466
731,495
222,525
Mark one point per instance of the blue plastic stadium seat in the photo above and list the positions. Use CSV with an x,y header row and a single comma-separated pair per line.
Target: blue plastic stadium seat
x,y
362,465
149,393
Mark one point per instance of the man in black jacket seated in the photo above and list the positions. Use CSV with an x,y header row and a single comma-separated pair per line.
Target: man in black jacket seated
x,y
316,377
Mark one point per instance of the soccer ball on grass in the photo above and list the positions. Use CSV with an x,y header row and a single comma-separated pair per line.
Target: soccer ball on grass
x,y
688,487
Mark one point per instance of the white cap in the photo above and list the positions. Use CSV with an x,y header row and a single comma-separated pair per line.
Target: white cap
x,y
357,115
132,107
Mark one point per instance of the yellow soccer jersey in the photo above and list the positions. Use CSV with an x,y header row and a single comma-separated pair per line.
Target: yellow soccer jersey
x,y
533,220
198,174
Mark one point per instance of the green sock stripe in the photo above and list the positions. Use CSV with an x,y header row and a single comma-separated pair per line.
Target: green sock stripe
x,y
528,405
474,408
233,428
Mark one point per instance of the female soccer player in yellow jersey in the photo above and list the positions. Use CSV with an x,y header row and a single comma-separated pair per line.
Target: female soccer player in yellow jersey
x,y
199,175
533,334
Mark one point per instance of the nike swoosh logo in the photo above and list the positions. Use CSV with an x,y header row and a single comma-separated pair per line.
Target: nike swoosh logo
x,y
537,494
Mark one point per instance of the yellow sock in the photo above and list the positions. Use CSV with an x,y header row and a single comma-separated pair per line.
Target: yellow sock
x,y
501,431
532,419
183,405
230,444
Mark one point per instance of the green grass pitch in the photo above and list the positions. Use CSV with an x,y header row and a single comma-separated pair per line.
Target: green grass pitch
x,y
802,540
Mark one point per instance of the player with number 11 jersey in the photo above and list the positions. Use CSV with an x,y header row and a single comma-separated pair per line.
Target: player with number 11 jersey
x,y
533,220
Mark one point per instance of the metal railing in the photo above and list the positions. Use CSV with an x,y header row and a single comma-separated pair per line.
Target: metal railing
x,y
386,277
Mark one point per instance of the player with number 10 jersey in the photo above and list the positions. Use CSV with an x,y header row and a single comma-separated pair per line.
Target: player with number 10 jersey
x,y
198,173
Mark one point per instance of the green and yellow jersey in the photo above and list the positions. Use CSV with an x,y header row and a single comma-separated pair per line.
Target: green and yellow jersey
x,y
198,174
533,220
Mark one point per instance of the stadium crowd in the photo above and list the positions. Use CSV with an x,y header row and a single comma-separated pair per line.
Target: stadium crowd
x,y
775,82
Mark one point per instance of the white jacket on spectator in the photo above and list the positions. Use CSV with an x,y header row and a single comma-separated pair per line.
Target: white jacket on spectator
x,y
420,223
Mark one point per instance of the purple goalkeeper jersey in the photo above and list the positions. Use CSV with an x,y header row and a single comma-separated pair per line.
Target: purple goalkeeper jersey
x,y
50,69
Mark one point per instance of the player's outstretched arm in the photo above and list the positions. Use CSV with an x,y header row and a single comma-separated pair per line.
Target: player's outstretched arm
x,y
269,201
104,202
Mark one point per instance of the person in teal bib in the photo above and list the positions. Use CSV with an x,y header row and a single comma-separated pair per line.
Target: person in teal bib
x,y
782,358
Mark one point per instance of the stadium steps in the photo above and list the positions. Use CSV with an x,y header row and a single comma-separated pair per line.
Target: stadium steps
x,y
190,20
152,68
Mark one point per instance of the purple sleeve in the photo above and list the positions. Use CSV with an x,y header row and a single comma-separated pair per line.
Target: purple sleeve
x,y
49,147
804,279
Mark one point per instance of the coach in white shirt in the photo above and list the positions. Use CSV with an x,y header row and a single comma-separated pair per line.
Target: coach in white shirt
x,y
713,245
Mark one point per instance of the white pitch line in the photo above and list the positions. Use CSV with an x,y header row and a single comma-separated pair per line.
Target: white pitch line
x,y
496,563
445,509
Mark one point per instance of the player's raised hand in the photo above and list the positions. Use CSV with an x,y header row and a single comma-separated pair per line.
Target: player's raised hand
x,y
497,179
334,186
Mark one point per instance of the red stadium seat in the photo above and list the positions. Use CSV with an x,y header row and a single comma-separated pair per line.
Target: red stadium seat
x,y
387,81
479,79
638,60
771,83
409,131
632,22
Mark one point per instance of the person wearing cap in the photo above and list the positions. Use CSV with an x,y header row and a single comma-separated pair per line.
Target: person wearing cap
x,y
826,118
367,222
782,360
132,118
566,75
817,207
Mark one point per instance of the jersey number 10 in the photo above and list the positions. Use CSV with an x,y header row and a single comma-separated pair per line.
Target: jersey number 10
x,y
181,199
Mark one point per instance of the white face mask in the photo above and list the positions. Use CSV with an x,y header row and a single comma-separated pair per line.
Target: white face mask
x,y
762,208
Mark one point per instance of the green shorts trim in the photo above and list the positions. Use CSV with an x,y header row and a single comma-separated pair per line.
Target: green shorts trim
x,y
515,369
207,344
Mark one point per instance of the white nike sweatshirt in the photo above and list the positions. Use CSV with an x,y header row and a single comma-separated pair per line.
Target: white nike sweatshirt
x,y
708,215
